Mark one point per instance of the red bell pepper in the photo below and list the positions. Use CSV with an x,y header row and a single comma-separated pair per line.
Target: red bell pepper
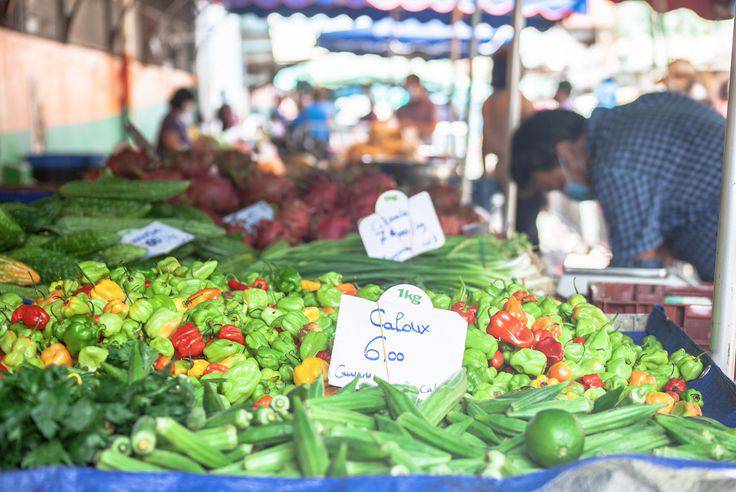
x,y
85,289
506,327
675,385
325,355
592,381
235,285
35,317
524,297
214,367
259,283
161,363
187,341
3,371
674,395
551,348
513,307
232,333
466,312
17,315
497,360
263,402
578,340
542,334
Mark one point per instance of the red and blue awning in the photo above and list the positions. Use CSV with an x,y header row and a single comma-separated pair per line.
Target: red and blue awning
x,y
430,40
494,12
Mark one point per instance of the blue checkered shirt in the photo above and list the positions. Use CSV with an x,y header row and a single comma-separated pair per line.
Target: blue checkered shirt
x,y
656,166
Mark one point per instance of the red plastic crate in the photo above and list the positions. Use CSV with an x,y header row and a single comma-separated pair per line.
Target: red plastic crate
x,y
695,319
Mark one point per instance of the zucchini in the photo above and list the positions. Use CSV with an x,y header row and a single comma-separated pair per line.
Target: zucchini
x,y
82,243
104,207
11,234
124,189
68,225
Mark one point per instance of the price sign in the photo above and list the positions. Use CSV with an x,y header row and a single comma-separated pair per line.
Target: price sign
x,y
402,227
401,338
248,217
157,237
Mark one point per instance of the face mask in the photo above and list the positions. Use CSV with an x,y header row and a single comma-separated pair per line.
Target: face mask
x,y
578,191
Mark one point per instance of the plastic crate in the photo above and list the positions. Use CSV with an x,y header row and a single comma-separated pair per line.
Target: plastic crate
x,y
688,307
59,168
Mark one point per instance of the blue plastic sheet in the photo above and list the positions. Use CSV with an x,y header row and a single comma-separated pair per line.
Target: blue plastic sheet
x,y
720,403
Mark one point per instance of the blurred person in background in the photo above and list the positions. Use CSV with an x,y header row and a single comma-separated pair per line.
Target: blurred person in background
x,y
495,112
563,95
420,112
312,126
173,135
681,77
654,165
227,117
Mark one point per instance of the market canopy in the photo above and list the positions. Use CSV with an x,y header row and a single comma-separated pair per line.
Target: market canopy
x,y
707,9
431,40
495,12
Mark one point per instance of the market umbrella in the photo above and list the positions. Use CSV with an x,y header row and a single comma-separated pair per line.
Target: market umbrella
x,y
431,40
707,9
494,12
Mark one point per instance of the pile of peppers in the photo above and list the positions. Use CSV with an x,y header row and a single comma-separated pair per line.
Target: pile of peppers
x,y
262,334
516,340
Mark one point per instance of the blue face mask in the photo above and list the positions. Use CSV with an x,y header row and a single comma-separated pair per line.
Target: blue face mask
x,y
579,191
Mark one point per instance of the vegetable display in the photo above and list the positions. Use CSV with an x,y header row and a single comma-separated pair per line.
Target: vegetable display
x,y
241,362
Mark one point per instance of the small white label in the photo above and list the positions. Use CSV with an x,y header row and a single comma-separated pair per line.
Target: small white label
x,y
157,237
250,216
401,338
402,227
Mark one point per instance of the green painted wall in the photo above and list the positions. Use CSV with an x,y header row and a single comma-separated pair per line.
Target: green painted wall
x,y
97,137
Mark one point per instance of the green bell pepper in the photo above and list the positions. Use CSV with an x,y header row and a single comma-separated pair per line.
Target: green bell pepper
x,y
202,270
677,355
690,367
532,309
576,299
292,302
131,328
79,332
163,346
519,381
255,298
594,393
328,296
502,380
653,357
291,322
168,265
565,309
598,345
76,305
529,361
547,306
284,343
480,340
617,338
269,315
615,382
93,270
288,280
209,316
624,352
650,341
474,358
313,342
475,377
91,357
574,351
591,365
159,285
185,287
441,301
162,323
256,340
110,324
638,394
269,358
620,368
330,278
693,396
22,349
221,349
141,310
241,380
11,300
372,292
286,373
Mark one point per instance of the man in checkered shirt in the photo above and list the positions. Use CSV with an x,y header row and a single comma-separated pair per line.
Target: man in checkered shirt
x,y
655,166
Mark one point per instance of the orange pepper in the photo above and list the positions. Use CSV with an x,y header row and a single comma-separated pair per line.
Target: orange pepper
x,y
686,409
107,290
560,371
202,296
116,306
513,306
310,285
546,323
54,295
56,354
639,378
327,310
309,370
347,289
659,398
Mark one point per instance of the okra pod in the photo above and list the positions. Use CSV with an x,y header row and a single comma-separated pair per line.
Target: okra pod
x,y
440,438
266,434
311,453
173,461
270,459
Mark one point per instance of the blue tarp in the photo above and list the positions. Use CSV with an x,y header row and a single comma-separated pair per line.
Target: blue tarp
x,y
720,403
539,13
388,37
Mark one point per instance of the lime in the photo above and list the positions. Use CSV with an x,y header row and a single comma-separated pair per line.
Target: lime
x,y
554,437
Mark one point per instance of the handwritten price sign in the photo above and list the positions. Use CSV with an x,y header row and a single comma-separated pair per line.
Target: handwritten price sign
x,y
402,227
250,216
157,237
401,338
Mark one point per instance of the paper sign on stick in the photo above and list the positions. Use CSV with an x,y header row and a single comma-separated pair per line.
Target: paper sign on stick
x,y
401,338
157,237
402,227
250,216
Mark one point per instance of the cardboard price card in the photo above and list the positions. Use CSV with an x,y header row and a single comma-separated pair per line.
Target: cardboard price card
x,y
401,338
402,227
157,237
250,216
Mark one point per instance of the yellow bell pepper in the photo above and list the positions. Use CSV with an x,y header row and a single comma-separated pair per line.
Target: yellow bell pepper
x,y
541,381
198,368
107,290
309,370
660,398
201,296
312,313
181,304
181,367
310,285
56,354
116,306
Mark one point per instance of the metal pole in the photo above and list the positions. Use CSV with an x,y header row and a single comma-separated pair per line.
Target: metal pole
x,y
466,191
512,82
723,333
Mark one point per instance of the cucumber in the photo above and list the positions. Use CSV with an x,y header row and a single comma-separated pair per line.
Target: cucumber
x,y
50,265
82,243
121,254
124,189
68,225
104,207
